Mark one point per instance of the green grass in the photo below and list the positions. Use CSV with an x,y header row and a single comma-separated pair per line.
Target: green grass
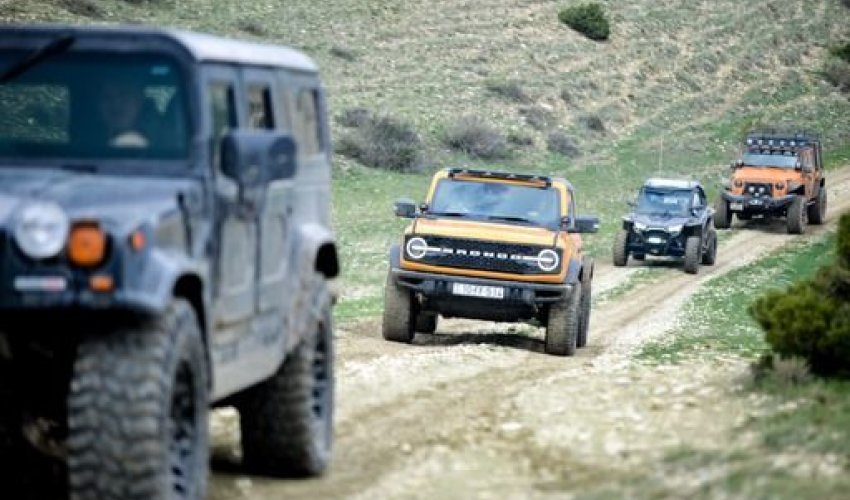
x,y
715,319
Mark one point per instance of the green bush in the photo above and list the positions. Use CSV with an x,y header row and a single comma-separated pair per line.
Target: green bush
x,y
811,319
475,137
588,19
381,142
842,52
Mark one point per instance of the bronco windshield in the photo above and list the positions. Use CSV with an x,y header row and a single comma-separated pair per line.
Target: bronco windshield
x,y
94,106
770,160
664,202
497,202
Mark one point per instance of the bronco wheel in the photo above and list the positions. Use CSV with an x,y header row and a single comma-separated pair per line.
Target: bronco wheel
x,y
722,215
710,254
562,326
817,210
693,251
426,322
584,325
796,216
287,421
137,411
398,322
621,251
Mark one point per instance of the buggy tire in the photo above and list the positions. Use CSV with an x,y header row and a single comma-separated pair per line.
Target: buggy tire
x,y
722,215
796,216
710,254
286,421
621,250
138,411
399,319
817,210
562,325
693,253
426,322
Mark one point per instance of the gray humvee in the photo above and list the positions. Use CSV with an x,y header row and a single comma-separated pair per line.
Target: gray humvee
x,y
165,246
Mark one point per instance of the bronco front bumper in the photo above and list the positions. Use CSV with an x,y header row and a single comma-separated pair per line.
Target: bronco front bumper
x,y
757,204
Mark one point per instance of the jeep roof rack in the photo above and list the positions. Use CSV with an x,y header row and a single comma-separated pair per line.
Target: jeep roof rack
x,y
774,138
490,174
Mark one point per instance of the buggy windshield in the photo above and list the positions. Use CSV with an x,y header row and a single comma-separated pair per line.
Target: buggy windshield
x,y
668,202
94,106
770,160
497,201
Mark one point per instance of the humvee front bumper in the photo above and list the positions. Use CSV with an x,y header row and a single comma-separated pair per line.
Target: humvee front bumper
x,y
756,204
479,298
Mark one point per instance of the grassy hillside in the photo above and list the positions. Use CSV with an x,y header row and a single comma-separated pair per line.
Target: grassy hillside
x,y
671,91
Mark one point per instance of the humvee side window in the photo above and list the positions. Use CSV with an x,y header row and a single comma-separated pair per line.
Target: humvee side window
x,y
260,113
223,112
305,123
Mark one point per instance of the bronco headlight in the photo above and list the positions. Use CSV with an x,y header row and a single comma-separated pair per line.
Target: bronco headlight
x,y
548,260
41,229
416,248
640,226
676,229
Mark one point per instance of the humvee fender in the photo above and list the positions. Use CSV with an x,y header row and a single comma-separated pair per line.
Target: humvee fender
x,y
316,249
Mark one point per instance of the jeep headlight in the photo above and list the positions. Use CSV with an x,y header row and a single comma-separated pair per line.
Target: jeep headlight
x,y
41,229
416,248
640,226
675,229
548,260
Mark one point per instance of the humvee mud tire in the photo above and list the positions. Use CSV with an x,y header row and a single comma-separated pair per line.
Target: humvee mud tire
x,y
287,420
398,322
722,215
137,411
817,210
621,251
693,253
710,255
426,322
563,324
797,215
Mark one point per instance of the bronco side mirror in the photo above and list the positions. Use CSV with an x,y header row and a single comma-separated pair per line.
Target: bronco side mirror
x,y
405,208
253,157
585,224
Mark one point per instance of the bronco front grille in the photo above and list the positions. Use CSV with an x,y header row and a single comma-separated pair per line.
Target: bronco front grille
x,y
758,189
484,255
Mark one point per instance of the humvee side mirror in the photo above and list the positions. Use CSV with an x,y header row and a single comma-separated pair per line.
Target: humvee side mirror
x,y
405,208
252,157
585,224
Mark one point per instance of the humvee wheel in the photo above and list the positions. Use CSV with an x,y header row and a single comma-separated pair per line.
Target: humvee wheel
x,y
286,421
817,210
137,411
426,322
693,253
563,324
710,254
797,215
398,322
722,215
621,251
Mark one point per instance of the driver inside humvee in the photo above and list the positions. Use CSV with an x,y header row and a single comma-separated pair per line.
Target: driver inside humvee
x,y
120,109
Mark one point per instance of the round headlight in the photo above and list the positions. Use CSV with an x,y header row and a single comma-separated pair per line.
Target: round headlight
x,y
548,260
416,248
41,230
751,189
738,183
780,186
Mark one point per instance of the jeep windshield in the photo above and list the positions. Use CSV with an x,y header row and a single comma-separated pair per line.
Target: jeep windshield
x,y
664,202
78,107
496,201
770,160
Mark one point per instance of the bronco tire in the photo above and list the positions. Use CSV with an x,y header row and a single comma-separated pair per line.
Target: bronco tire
x,y
398,322
797,215
621,251
137,411
817,210
693,251
563,324
722,215
287,421
710,254
584,324
426,322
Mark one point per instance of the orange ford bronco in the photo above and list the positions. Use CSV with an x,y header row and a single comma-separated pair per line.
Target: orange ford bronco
x,y
493,246
777,175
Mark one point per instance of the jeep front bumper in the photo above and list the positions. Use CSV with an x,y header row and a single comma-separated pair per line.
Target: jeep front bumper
x,y
757,204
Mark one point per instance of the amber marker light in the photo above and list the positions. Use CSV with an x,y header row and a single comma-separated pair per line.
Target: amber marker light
x,y
101,283
137,240
86,244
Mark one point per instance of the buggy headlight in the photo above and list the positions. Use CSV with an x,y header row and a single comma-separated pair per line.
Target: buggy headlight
x,y
41,229
675,229
548,260
640,226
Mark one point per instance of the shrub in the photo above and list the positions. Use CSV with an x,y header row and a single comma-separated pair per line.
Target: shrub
x,y
561,143
354,117
588,19
509,90
539,118
593,122
520,139
842,51
343,53
475,138
837,73
383,142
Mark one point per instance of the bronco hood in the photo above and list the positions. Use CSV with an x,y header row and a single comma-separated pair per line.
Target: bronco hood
x,y
120,202
487,231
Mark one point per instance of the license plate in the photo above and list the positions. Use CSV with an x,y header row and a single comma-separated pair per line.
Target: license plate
x,y
736,206
655,240
483,291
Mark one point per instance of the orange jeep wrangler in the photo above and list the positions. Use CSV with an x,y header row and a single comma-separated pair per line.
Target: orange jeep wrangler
x,y
777,175
493,246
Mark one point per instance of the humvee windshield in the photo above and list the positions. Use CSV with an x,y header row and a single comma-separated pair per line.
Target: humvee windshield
x,y
770,160
496,201
94,106
669,202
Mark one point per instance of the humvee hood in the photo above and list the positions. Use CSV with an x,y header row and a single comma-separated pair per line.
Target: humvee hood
x,y
121,202
488,231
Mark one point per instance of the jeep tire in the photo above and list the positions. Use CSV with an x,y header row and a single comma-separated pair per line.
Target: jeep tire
x,y
137,411
817,210
426,322
287,421
563,323
722,215
399,321
710,254
693,254
621,250
796,216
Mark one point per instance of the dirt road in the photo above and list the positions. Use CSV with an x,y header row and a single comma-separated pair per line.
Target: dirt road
x,y
476,410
